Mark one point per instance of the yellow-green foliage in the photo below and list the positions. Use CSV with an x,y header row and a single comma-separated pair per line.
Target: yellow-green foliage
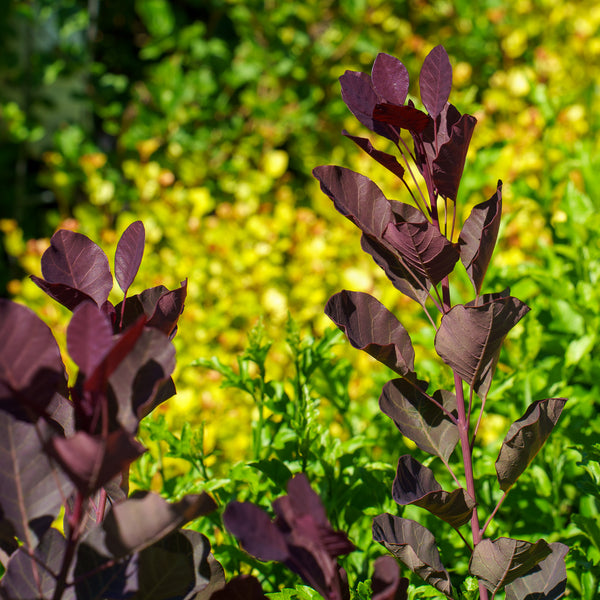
x,y
217,140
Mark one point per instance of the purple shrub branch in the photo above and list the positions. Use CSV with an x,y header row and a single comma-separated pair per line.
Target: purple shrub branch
x,y
416,249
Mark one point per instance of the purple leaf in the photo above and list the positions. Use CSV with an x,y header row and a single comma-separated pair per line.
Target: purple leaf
x,y
122,346
418,418
371,327
403,117
403,279
478,237
470,337
63,294
390,79
301,537
423,248
255,531
416,484
435,81
386,581
357,198
449,163
31,487
136,380
546,581
524,439
360,98
142,520
168,310
415,546
89,337
31,368
383,158
242,587
216,581
128,255
74,260
90,461
500,562
26,578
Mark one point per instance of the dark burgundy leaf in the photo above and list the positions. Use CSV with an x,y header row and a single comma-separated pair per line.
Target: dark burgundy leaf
x,y
404,117
60,410
142,520
122,346
383,158
74,260
31,487
64,294
390,79
26,579
257,534
449,163
386,582
357,198
435,81
168,310
423,248
478,237
499,562
371,327
415,546
416,484
89,337
128,255
31,368
404,280
525,438
470,337
136,381
360,98
216,581
138,305
91,461
420,419
546,581
242,587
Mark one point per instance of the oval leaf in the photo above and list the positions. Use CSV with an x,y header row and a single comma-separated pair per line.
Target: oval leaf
x,y
32,489
525,438
415,546
371,327
423,248
89,337
74,260
386,582
63,294
418,418
499,562
357,198
142,520
383,158
478,237
257,534
128,255
546,581
406,281
390,79
449,163
403,117
31,367
416,484
360,98
435,81
470,337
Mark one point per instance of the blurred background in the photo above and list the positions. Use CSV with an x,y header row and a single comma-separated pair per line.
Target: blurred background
x,y
204,119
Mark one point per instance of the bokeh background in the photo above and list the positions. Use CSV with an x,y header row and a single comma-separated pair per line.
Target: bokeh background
x,y
204,119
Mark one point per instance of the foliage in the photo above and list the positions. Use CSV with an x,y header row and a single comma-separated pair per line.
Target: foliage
x,y
72,446
415,245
